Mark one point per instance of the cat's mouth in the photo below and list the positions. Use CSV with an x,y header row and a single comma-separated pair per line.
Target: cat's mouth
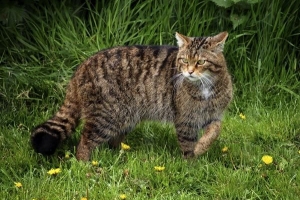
x,y
205,78
191,77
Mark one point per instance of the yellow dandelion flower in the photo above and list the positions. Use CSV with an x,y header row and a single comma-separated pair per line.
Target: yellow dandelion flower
x,y
84,198
95,163
299,151
159,168
67,155
267,159
242,116
18,184
123,196
125,146
225,149
54,171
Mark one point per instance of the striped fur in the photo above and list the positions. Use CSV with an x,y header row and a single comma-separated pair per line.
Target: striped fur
x,y
117,88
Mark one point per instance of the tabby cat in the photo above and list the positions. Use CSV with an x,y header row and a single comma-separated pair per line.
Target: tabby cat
x,y
117,88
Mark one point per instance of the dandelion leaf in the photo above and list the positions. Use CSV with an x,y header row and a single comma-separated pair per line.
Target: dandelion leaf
x,y
247,1
223,3
283,164
237,20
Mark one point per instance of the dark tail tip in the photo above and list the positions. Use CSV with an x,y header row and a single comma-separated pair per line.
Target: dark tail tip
x,y
44,142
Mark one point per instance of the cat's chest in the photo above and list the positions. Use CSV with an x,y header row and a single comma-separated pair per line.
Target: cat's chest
x,y
202,94
200,101
206,93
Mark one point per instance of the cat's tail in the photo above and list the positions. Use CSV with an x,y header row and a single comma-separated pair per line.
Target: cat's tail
x,y
46,137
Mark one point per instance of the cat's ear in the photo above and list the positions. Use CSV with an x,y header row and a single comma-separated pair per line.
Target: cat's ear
x,y
182,40
219,40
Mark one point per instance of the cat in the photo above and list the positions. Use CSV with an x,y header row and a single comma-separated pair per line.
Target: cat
x,y
117,88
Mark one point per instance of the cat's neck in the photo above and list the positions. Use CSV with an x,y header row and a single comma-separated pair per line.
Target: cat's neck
x,y
201,91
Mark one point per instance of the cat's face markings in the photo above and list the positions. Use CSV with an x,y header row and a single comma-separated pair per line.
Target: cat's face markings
x,y
192,68
198,56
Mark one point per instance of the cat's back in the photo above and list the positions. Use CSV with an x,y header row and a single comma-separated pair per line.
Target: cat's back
x,y
137,56
128,66
132,64
132,76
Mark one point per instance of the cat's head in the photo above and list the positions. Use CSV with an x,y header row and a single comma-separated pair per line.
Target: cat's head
x,y
201,59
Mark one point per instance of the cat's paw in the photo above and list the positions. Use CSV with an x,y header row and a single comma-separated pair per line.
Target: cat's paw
x,y
188,155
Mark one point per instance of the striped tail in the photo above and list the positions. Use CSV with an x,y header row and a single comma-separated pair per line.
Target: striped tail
x,y
46,137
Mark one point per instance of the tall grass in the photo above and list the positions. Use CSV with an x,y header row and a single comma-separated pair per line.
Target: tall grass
x,y
41,48
54,38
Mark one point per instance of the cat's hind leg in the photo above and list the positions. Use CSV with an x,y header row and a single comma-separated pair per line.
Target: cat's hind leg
x,y
91,137
96,132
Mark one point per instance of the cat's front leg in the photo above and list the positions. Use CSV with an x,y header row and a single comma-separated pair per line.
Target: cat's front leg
x,y
187,138
211,133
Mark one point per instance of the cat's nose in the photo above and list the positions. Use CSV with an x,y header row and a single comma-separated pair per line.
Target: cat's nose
x,y
191,71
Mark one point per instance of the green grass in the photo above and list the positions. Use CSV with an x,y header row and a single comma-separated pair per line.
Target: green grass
x,y
40,49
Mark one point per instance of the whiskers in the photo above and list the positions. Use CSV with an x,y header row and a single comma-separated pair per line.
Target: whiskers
x,y
206,80
177,79
206,84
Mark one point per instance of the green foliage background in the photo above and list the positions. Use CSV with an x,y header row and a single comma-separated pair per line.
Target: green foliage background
x,y
262,49
42,42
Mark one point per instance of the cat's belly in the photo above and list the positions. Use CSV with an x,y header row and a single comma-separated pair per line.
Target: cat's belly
x,y
165,114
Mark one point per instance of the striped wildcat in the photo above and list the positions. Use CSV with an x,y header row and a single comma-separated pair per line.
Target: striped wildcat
x,y
116,88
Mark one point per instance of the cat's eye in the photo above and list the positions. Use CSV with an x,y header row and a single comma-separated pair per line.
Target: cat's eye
x,y
200,62
184,60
